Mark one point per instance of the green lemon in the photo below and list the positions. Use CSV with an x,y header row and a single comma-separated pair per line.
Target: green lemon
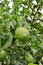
x,y
22,33
32,64
29,58
2,55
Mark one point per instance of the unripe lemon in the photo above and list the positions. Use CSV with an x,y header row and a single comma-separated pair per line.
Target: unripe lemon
x,y
2,55
22,33
29,58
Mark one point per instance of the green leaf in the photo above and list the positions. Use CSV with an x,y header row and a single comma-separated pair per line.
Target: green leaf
x,y
41,45
6,17
8,42
6,9
1,10
37,26
38,1
18,1
32,64
5,1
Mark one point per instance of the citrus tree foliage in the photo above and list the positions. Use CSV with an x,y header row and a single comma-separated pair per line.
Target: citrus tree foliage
x,y
27,14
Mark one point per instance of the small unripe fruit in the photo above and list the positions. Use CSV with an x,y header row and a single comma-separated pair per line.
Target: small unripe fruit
x,y
2,55
22,33
29,58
